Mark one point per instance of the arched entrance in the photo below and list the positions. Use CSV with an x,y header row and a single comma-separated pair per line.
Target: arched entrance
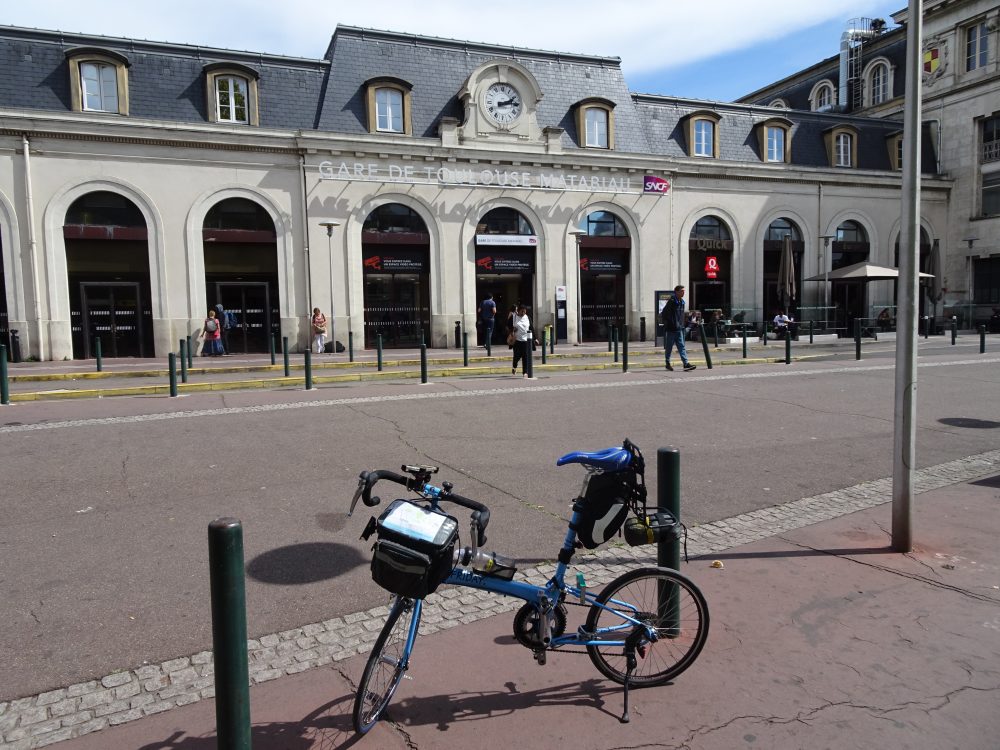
x,y
505,265
710,266
395,248
107,266
774,241
604,267
925,305
241,272
849,296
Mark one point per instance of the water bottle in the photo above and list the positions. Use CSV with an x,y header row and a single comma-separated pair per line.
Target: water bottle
x,y
487,563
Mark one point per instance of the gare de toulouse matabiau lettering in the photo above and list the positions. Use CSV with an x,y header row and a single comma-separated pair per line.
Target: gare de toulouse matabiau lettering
x,y
435,175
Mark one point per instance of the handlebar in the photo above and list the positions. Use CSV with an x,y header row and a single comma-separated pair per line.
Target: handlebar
x,y
419,485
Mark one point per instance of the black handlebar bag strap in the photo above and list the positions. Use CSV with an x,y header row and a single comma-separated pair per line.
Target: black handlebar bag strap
x,y
414,549
603,507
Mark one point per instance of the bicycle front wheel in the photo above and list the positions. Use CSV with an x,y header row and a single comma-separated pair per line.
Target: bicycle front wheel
x,y
386,665
659,597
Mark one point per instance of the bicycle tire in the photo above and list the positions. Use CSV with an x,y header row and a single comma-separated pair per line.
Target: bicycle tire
x,y
681,638
378,684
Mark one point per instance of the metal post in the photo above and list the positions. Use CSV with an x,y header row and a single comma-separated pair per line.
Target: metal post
x,y
97,353
284,353
668,551
982,339
642,329
172,372
529,369
954,330
788,346
810,331
229,634
184,361
350,346
465,349
309,369
857,338
715,333
15,346
190,353
271,345
611,336
927,327
458,334
744,341
423,363
552,340
764,337
489,345
378,350
545,343
624,348
614,339
4,385
704,345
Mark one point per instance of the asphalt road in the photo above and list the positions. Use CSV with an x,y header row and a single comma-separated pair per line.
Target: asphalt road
x,y
103,559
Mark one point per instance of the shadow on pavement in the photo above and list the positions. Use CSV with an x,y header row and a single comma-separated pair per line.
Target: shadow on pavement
x,y
845,552
304,563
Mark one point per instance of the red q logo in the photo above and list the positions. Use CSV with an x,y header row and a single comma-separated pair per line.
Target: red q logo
x,y
485,263
584,264
653,184
711,267
374,262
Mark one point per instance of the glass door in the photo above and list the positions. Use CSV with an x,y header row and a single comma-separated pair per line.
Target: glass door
x,y
113,313
250,303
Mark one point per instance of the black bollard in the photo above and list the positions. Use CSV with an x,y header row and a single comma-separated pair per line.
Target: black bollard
x,y
465,349
378,350
172,372
423,363
489,346
529,346
545,343
668,550
552,340
704,345
624,349
271,345
744,329
982,339
309,369
284,353
715,334
857,338
15,346
788,347
350,346
229,634
97,353
611,336
614,339
927,327
190,352
184,361
458,334
954,330
642,330
4,384
810,331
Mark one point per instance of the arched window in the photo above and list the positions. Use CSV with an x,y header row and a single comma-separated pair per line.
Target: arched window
x,y
238,213
821,96
504,221
106,209
781,228
878,84
605,224
850,246
232,93
394,218
710,228
851,231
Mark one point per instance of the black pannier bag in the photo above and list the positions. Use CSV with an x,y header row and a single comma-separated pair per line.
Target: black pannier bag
x,y
414,549
603,507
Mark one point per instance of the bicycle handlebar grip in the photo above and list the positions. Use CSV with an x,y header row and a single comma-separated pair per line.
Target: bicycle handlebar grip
x,y
482,514
370,480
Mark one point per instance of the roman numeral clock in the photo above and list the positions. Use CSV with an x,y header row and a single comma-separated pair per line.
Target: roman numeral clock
x,y
502,104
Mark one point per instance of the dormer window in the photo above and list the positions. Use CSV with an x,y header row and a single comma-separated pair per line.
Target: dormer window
x,y
703,134
389,103
98,80
842,145
821,96
232,93
775,139
894,142
595,123
878,82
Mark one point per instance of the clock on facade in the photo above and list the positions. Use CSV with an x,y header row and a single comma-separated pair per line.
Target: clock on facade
x,y
502,103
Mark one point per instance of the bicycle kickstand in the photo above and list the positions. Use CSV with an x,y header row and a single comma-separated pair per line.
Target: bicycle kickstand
x,y
631,664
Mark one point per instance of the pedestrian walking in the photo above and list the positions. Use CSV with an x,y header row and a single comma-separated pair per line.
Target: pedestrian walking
x,y
523,338
488,315
223,319
211,333
318,323
672,318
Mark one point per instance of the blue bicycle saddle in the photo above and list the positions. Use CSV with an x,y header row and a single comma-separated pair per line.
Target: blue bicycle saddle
x,y
609,459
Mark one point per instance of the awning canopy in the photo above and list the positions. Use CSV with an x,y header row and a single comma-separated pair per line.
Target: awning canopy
x,y
863,272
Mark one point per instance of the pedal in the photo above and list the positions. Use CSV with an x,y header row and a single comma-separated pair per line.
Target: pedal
x,y
540,658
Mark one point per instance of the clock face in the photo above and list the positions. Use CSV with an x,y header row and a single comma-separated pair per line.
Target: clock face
x,y
502,103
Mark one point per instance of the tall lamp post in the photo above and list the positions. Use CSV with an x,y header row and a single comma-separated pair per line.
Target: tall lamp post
x,y
578,235
329,247
826,276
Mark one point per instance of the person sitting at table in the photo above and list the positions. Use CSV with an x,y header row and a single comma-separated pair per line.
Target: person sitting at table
x,y
884,320
782,323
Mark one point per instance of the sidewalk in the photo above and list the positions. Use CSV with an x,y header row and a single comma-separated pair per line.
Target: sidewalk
x,y
820,638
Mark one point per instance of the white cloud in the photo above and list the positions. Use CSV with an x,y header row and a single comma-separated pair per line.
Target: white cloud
x,y
648,35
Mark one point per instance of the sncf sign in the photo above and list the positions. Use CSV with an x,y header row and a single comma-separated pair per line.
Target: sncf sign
x,y
653,184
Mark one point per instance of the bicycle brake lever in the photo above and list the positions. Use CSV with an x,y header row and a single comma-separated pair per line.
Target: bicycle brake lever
x,y
357,495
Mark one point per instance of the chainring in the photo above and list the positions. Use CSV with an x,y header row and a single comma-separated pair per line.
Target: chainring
x,y
526,625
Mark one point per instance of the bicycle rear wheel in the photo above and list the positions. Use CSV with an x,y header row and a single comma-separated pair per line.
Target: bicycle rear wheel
x,y
386,665
654,596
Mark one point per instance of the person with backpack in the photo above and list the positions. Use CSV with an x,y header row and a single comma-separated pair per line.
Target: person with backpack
x,y
211,333
672,318
318,323
225,323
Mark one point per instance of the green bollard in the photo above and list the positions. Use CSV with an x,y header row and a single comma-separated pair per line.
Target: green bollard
x,y
190,352
624,349
810,331
982,339
529,368
284,352
552,340
610,338
744,328
545,343
927,327
97,353
378,350
172,371
489,346
668,551
465,348
614,338
788,347
715,334
229,634
350,346
857,338
763,338
704,345
4,383
271,345
423,363
954,330
184,361
309,369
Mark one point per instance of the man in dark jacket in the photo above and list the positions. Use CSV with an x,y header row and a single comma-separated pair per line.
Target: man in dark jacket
x,y
672,318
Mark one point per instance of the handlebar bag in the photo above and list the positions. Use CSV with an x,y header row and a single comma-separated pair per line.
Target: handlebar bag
x,y
414,549
602,508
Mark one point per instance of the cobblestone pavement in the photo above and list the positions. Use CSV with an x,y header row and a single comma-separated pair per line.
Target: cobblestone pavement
x,y
40,720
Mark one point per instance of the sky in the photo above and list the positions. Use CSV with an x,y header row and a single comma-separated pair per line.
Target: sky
x,y
714,49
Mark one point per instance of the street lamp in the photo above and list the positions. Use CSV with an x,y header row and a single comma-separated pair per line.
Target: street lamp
x,y
826,276
577,235
329,247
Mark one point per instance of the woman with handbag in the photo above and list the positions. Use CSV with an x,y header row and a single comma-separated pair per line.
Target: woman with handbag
x,y
211,334
318,323
521,324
